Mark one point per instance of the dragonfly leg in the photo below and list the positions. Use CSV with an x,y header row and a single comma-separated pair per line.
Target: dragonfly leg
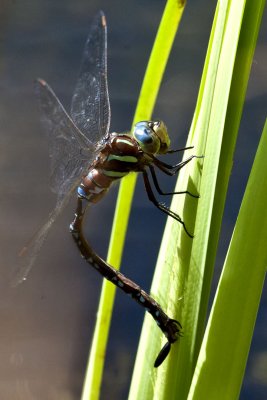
x,y
170,327
156,183
162,207
172,169
178,150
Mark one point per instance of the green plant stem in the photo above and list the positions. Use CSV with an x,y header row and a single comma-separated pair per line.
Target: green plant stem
x,y
154,73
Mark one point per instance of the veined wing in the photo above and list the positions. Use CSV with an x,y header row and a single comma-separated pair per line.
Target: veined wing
x,y
69,149
90,109
71,153
29,253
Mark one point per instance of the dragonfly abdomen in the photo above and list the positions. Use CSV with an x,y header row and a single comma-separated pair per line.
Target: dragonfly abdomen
x,y
170,327
94,186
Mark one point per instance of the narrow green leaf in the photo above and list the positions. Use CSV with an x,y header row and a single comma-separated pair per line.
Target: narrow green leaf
x,y
155,69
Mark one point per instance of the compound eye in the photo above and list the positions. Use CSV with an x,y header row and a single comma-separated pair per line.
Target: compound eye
x,y
145,136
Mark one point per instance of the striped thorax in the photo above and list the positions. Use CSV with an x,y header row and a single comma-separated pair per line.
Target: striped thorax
x,y
123,153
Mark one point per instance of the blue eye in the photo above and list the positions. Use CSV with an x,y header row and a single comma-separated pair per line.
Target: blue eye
x,y
143,135
146,137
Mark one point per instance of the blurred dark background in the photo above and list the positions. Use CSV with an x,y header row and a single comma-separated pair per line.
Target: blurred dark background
x,y
47,323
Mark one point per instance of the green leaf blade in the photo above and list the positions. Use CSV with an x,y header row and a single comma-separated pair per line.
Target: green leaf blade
x,y
154,73
189,267
226,344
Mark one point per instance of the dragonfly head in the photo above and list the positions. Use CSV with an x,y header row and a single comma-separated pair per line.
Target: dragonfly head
x,y
152,136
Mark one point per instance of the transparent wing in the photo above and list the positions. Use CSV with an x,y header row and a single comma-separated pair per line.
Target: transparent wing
x,y
29,253
73,142
70,151
90,109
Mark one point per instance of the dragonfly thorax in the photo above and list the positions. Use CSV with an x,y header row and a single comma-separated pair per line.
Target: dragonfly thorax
x,y
152,136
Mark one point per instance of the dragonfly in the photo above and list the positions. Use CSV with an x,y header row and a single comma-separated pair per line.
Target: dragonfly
x,y
88,159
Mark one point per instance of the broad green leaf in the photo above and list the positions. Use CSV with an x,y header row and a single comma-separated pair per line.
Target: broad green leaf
x,y
222,359
184,270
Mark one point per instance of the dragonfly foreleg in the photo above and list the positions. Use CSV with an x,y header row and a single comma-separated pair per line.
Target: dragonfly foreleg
x,y
162,207
156,183
170,327
178,150
172,169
